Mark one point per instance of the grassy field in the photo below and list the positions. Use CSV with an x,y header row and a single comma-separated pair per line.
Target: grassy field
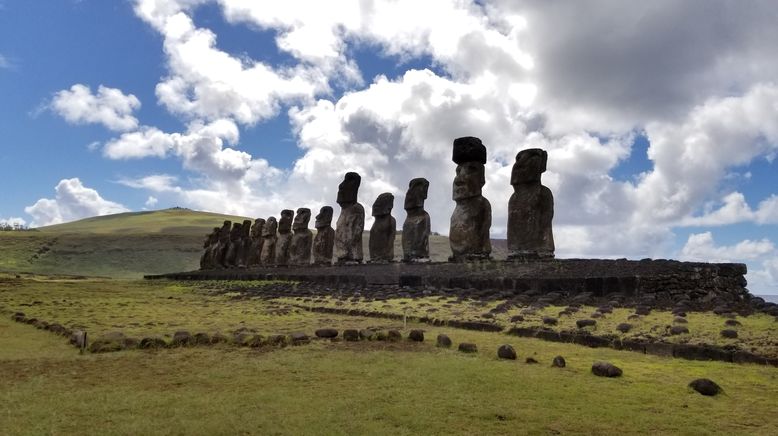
x,y
333,388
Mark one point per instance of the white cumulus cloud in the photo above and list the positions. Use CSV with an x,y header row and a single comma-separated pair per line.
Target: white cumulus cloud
x,y
109,107
72,201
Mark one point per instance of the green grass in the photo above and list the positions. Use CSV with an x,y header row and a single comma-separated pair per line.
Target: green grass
x,y
334,388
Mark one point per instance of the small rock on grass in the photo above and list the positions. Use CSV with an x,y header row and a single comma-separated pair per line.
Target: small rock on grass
x,y
531,360
444,341
558,362
351,335
326,333
548,320
506,352
394,336
201,339
416,335
468,347
679,330
680,320
705,387
181,339
732,323
729,334
581,323
606,369
624,327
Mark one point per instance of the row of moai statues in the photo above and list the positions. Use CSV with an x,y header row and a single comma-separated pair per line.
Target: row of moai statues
x,y
290,242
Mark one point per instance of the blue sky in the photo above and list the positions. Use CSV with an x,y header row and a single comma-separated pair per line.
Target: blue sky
x,y
660,120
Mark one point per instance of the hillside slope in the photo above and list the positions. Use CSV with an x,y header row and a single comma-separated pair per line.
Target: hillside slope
x,y
129,245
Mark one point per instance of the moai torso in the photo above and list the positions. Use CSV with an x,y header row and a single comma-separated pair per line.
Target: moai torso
x,y
351,222
382,233
255,250
300,251
268,256
530,209
206,260
472,217
244,247
416,228
284,241
220,250
324,241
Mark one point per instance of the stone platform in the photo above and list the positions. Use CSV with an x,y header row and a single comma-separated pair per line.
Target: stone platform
x,y
663,281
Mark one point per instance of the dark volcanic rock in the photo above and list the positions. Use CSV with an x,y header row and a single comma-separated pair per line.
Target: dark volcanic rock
x,y
351,222
416,228
506,352
531,360
416,335
351,335
732,323
624,327
382,233
181,339
605,369
547,320
729,334
530,208
444,341
467,347
302,239
326,333
705,387
558,362
581,323
324,241
678,330
394,336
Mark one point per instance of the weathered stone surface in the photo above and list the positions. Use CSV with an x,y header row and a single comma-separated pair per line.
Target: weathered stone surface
x,y
549,320
443,341
284,242
210,242
201,338
581,323
705,387
269,238
382,234
605,369
624,327
678,330
152,342
324,241
234,246
558,362
299,338
472,216
244,246
394,336
729,334
467,347
351,335
367,334
506,351
530,208
416,335
302,240
417,225
181,338
219,250
351,222
326,333
255,247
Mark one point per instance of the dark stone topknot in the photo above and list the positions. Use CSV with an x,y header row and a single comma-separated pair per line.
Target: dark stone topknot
x,y
469,149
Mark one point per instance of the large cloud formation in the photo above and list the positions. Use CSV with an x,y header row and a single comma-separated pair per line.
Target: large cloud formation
x,y
694,78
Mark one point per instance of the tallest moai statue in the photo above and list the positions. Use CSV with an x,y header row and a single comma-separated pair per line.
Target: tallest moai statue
x,y
351,222
530,209
472,217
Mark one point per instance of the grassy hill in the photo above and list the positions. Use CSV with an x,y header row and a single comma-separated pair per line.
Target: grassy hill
x,y
129,245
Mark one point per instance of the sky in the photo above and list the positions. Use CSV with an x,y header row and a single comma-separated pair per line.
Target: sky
x,y
660,118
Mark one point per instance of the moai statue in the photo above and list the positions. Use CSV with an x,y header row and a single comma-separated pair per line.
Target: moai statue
x,y
244,245
324,241
284,237
220,252
268,253
472,217
300,251
255,250
530,209
351,222
381,242
234,246
416,229
208,246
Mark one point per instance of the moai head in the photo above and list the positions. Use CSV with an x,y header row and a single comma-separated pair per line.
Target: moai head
x,y
383,204
469,180
285,223
237,230
211,238
302,219
256,229
246,229
417,193
530,164
270,227
348,188
324,218
224,232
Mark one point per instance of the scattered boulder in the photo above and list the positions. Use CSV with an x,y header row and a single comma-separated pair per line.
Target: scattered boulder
x,y
326,333
444,341
243,338
581,323
729,334
299,338
531,360
558,362
624,327
367,334
218,338
416,335
110,342
633,317
201,339
506,352
732,323
679,330
606,369
282,340
468,347
181,339
596,315
351,335
705,387
517,318
680,320
152,342
549,320
642,310
394,336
